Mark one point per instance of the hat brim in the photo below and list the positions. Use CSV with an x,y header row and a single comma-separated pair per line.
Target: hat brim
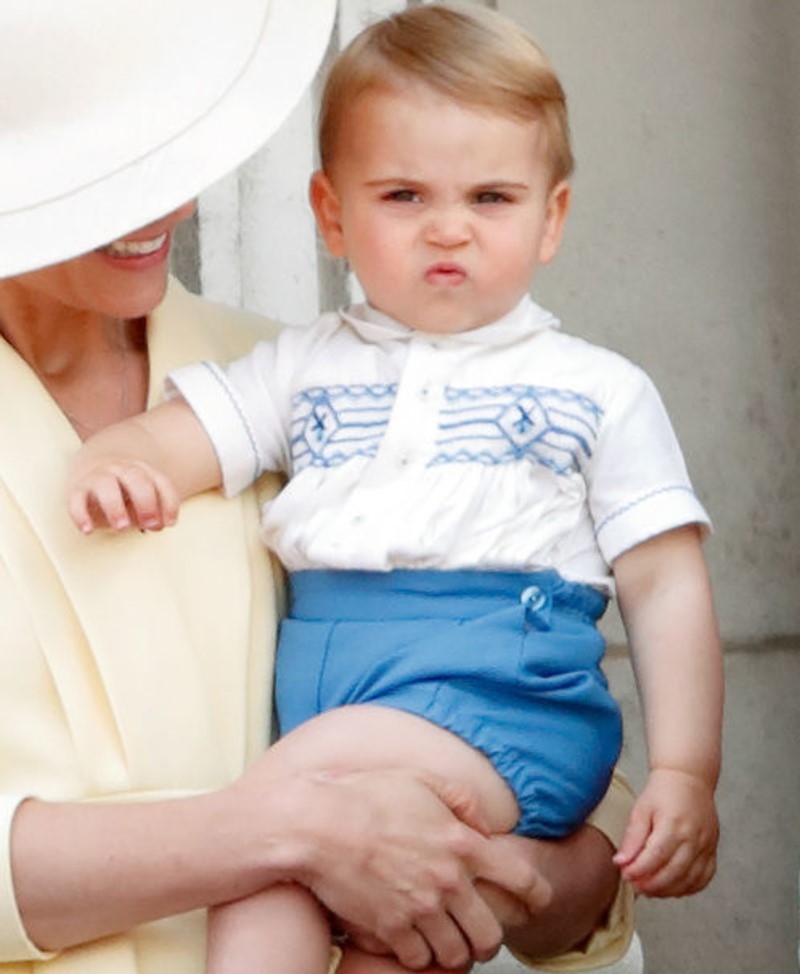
x,y
71,182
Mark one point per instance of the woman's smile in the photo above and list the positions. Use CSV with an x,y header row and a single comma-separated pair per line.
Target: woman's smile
x,y
135,248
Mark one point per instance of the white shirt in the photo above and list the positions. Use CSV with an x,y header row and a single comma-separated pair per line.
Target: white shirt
x,y
512,446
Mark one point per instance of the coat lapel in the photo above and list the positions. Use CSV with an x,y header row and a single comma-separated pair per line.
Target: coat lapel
x,y
105,600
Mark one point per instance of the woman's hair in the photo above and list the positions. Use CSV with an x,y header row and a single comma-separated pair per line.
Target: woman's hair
x,y
469,54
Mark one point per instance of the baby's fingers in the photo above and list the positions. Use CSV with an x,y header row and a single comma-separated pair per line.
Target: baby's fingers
x,y
671,866
151,500
681,876
121,498
657,851
99,503
636,835
82,512
686,872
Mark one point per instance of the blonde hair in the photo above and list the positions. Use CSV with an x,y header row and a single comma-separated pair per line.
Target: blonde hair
x,y
471,54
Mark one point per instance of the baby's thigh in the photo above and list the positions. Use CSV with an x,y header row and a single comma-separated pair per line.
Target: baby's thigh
x,y
367,737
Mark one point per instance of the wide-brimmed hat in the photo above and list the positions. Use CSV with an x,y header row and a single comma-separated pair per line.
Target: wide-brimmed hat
x,y
115,112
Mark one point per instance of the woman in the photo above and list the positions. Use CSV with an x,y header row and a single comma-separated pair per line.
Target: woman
x,y
137,668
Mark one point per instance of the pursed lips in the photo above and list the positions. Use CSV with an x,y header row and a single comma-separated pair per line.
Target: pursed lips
x,y
447,274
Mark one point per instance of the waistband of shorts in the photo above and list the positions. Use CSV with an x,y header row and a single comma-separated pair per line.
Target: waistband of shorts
x,y
323,594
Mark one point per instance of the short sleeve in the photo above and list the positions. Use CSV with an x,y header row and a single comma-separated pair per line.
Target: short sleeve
x,y
638,483
15,945
238,409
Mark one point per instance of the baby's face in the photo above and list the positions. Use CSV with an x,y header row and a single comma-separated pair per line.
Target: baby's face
x,y
444,211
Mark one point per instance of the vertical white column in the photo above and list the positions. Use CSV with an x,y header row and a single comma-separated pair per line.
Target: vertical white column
x,y
257,242
279,271
218,241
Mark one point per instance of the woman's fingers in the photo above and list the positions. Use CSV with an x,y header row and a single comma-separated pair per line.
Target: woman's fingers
x,y
468,931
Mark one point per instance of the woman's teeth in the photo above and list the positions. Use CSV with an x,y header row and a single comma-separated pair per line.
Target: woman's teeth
x,y
136,248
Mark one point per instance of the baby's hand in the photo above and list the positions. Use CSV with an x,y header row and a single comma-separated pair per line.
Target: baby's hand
x,y
120,494
669,847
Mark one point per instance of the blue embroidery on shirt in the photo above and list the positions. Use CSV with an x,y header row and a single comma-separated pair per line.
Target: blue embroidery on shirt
x,y
556,428
493,425
331,425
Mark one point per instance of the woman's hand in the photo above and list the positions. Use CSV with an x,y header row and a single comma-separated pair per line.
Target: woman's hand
x,y
393,855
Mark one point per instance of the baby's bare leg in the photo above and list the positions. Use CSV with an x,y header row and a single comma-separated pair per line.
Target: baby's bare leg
x,y
368,737
282,930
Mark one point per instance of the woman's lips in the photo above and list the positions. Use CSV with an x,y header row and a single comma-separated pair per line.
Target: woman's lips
x,y
135,248
142,255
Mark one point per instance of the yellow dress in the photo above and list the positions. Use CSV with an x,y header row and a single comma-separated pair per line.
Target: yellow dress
x,y
133,666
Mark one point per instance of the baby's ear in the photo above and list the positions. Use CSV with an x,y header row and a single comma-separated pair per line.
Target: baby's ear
x,y
557,208
328,212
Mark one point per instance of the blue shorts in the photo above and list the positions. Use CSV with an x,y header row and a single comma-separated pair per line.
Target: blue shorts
x,y
508,661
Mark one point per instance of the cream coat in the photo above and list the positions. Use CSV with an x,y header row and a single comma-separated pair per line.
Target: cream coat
x,y
133,666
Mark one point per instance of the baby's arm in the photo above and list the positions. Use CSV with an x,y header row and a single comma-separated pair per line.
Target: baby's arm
x,y
669,848
136,473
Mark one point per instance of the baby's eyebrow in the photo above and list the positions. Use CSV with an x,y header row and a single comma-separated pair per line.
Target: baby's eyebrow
x,y
412,183
498,184
394,181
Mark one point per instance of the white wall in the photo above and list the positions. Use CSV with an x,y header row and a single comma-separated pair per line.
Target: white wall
x,y
683,249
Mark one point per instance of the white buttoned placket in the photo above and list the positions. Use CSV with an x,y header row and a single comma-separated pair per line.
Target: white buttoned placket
x,y
411,434
410,438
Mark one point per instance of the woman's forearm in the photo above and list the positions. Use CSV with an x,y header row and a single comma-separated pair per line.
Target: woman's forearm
x,y
83,871
382,850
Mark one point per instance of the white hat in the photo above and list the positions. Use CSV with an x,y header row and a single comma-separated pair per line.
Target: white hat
x,y
115,112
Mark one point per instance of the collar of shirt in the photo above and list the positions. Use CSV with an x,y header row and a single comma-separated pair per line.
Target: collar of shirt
x,y
521,322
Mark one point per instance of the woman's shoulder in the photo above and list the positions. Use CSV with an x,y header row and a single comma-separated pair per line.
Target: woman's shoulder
x,y
235,329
